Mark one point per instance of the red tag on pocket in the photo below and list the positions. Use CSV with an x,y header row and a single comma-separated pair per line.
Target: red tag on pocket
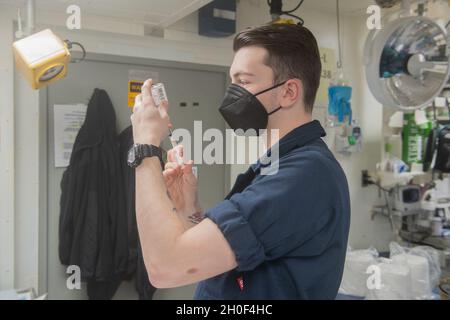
x,y
240,281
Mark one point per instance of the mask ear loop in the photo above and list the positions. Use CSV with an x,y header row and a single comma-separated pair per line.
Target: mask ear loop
x,y
272,112
271,88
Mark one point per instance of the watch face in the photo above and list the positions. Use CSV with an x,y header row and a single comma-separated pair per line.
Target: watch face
x,y
131,155
138,152
131,159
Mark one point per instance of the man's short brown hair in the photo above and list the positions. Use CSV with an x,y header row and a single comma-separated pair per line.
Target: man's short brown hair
x,y
292,53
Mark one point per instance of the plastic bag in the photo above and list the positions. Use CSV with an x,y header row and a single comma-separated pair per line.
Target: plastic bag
x,y
395,281
423,262
432,256
410,273
354,279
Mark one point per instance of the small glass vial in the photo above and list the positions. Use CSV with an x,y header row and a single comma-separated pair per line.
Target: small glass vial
x,y
159,93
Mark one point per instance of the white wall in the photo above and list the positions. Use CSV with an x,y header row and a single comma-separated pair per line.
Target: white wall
x,y
181,43
19,171
6,152
27,164
363,231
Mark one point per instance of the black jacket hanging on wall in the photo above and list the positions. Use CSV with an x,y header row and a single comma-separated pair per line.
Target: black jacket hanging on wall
x,y
93,223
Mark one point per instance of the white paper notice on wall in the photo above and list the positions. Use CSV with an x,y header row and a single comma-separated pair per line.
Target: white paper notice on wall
x,y
68,119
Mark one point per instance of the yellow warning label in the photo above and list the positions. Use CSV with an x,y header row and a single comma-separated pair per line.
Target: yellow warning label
x,y
136,79
134,88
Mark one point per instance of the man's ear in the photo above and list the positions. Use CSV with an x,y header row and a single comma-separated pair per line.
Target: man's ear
x,y
292,92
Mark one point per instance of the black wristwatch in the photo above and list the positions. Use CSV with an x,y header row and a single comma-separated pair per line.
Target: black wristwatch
x,y
140,151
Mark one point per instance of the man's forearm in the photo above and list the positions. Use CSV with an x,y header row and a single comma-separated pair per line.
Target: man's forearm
x,y
159,226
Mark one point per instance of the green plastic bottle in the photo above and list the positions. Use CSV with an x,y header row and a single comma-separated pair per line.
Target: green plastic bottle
x,y
412,141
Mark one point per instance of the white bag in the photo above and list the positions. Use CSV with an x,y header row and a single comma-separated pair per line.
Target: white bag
x,y
395,282
354,278
423,262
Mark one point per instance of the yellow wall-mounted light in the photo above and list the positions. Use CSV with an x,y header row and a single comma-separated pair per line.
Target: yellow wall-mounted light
x,y
42,58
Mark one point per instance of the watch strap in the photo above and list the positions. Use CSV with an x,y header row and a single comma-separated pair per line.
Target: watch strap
x,y
148,150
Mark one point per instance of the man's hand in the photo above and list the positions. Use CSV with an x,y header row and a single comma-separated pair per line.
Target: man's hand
x,y
150,123
181,184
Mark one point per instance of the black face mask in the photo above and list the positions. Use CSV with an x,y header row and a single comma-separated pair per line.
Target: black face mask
x,y
242,110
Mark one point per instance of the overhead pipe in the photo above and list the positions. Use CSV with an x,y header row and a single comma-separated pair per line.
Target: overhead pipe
x,y
31,12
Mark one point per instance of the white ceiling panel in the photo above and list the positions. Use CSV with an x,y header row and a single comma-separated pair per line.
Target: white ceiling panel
x,y
161,13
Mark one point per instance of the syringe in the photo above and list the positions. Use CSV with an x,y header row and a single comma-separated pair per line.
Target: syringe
x,y
174,145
